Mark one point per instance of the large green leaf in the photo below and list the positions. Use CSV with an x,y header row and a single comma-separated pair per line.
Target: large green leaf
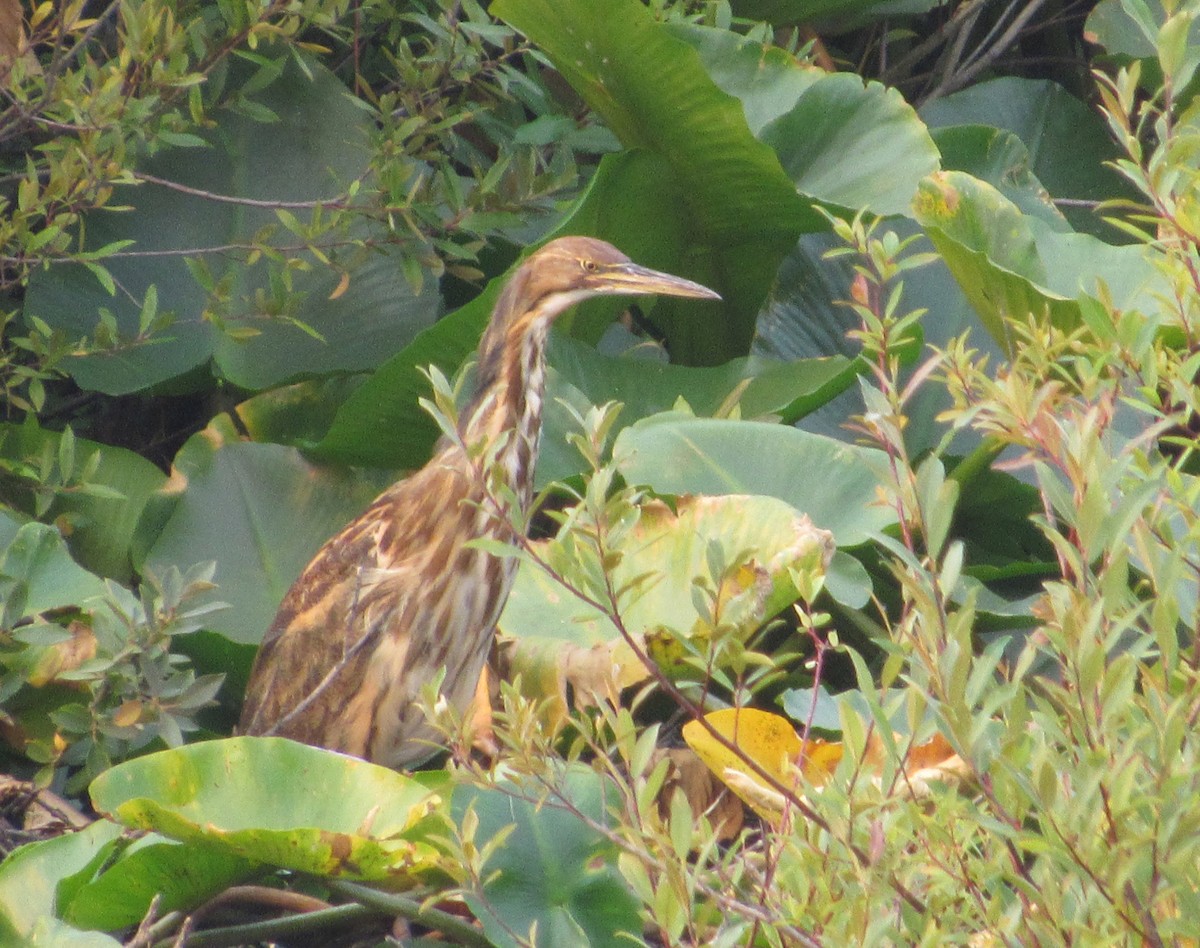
x,y
30,881
38,574
260,511
1068,142
553,870
1001,159
315,151
759,386
802,318
274,801
102,525
711,566
781,12
1112,25
839,116
652,90
835,483
677,548
9,525
813,119
298,414
1001,258
180,876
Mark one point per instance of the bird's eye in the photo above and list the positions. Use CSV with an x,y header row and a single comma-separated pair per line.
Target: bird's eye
x,y
589,265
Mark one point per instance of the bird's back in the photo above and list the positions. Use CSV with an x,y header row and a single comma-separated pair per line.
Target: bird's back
x,y
384,605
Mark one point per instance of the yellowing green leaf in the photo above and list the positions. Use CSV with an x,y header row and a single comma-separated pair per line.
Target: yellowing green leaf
x,y
281,803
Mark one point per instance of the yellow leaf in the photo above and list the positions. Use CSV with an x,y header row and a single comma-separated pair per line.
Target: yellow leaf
x,y
342,287
40,12
770,741
128,714
64,656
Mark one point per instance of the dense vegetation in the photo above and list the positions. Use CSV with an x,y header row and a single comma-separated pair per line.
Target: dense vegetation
x,y
861,607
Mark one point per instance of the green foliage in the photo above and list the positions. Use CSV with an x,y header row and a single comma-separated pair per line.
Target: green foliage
x,y
553,879
114,683
228,233
337,816
280,281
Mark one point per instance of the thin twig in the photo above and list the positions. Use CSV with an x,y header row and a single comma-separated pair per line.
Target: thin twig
x,y
341,202
276,929
394,904
984,59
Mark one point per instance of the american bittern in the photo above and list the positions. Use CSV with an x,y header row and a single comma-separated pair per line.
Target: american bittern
x,y
398,594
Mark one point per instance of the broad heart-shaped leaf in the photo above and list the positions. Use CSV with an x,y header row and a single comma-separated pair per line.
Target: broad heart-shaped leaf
x,y
1112,25
999,258
802,319
297,414
37,573
1067,140
755,386
274,801
260,511
30,881
653,92
813,119
834,483
315,151
758,538
1001,159
102,527
744,550
180,875
789,390
839,116
553,870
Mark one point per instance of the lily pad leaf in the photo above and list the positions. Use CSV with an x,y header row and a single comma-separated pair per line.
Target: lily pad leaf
x,y
999,258
812,119
37,574
30,882
180,876
274,801
758,386
103,509
739,556
1069,146
554,870
260,512
834,483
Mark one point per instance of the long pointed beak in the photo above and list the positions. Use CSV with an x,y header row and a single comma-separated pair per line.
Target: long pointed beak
x,y
630,278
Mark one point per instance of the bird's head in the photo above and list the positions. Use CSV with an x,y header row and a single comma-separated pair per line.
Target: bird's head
x,y
559,275
571,269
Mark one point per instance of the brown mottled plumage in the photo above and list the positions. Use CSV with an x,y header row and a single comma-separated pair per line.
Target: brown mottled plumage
x,y
397,594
